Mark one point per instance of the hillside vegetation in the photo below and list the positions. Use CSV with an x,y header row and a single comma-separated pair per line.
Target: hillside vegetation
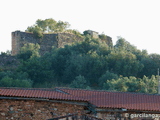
x,y
90,64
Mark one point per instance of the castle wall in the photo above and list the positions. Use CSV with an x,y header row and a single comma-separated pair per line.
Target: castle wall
x,y
95,35
67,39
46,43
19,39
15,42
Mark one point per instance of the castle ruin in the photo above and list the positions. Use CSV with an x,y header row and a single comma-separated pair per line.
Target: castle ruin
x,y
57,40
19,39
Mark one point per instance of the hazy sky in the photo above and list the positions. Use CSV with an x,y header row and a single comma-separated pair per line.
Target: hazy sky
x,y
138,21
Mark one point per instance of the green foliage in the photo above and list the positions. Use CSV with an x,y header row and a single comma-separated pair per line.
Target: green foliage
x,y
85,33
79,59
102,36
75,32
36,30
38,70
124,63
132,84
14,79
44,24
10,82
47,26
61,26
107,76
5,53
151,64
28,51
90,64
4,74
79,82
123,45
149,85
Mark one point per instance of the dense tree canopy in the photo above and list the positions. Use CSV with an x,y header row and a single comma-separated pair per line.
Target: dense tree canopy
x,y
90,64
47,26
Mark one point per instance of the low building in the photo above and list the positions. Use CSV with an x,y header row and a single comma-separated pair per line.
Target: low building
x,y
42,104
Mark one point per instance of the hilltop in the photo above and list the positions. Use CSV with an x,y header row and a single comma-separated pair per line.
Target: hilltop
x,y
50,40
90,63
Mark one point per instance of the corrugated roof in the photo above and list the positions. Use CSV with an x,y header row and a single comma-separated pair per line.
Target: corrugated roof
x,y
101,99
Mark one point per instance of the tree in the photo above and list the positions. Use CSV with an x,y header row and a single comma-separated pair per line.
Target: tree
x,y
123,45
84,59
149,85
38,69
151,64
10,82
132,84
124,63
47,26
79,82
61,26
86,33
102,36
107,76
36,30
76,32
28,51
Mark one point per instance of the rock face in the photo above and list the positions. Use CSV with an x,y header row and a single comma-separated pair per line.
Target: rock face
x,y
35,110
46,43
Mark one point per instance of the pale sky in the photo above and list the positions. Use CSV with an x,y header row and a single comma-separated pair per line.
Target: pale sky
x,y
138,21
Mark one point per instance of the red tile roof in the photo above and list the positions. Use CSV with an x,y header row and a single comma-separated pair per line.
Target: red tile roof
x,y
101,99
105,99
37,93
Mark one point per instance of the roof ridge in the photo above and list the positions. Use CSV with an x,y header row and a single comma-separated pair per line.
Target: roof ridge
x,y
105,91
62,91
18,88
61,88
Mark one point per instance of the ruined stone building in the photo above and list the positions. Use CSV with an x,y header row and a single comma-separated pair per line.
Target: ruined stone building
x,y
46,43
49,40
92,33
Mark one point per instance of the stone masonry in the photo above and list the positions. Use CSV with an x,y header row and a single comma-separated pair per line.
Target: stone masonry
x,y
35,110
46,43
49,41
